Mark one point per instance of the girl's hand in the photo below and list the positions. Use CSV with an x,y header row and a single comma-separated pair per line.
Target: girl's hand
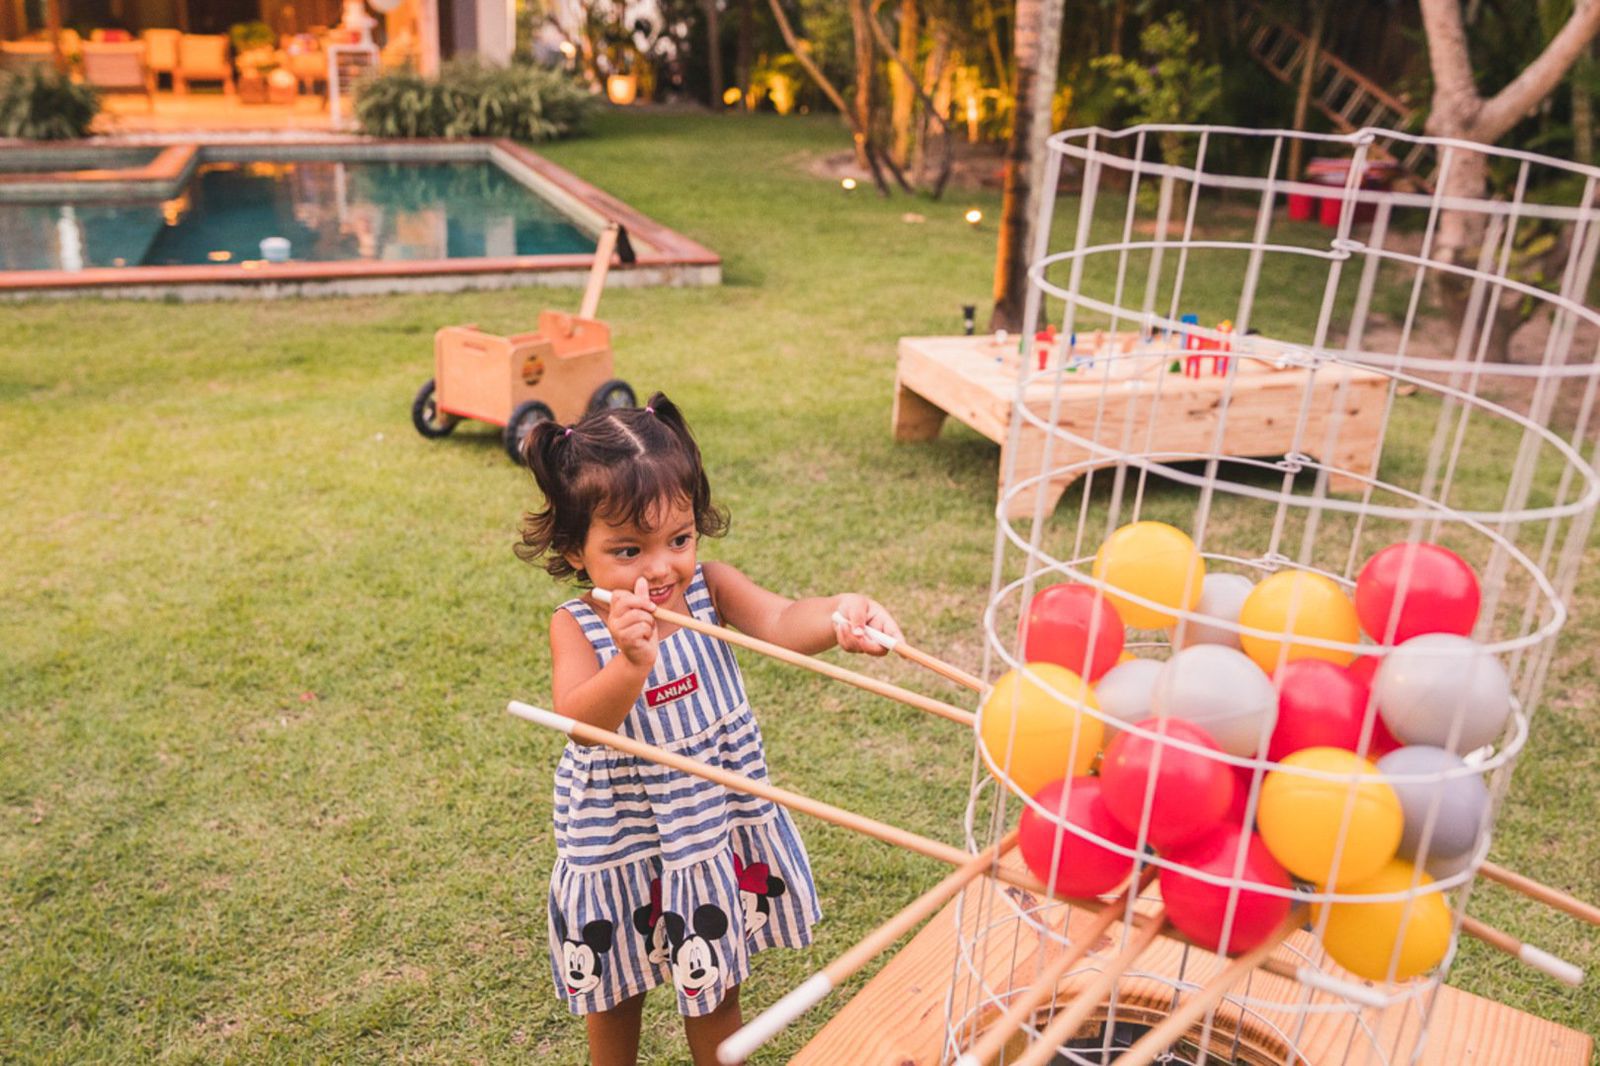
x,y
859,611
632,622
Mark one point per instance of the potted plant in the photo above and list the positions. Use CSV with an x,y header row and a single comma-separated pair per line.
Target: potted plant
x,y
256,55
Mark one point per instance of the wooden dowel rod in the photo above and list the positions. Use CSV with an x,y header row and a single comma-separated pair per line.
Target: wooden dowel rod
x,y
1177,1024
808,662
1539,959
993,1037
945,670
1088,1000
1542,892
770,1022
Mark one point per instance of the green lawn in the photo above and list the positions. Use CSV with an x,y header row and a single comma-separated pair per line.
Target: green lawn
x,y
259,799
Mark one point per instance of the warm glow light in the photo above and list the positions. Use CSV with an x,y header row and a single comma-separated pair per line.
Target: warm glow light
x,y
974,216
848,184
219,257
732,96
569,49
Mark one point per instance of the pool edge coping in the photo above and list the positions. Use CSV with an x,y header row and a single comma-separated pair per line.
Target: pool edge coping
x,y
660,250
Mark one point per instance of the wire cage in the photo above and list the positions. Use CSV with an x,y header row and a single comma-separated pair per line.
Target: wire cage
x,y
1270,395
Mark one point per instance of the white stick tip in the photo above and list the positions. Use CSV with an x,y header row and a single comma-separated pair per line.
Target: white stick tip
x,y
603,595
1560,969
1365,995
549,719
966,1060
770,1022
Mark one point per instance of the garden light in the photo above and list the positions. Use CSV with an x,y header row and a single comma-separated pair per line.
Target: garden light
x,y
973,216
732,96
848,184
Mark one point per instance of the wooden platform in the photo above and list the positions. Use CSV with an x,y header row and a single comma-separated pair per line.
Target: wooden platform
x,y
898,1019
975,380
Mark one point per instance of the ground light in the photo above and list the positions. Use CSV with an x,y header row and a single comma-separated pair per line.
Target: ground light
x,y
973,216
848,184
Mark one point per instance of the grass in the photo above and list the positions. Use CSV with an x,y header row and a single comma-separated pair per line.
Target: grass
x,y
259,801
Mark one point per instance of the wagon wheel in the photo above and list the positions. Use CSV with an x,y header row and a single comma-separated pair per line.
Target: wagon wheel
x,y
614,393
426,417
521,423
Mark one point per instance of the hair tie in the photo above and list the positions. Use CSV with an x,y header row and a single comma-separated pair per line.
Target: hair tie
x,y
650,409
567,434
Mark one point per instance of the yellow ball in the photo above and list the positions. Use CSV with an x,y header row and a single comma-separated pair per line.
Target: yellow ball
x,y
1153,560
1301,817
1126,657
1320,608
1361,937
1052,739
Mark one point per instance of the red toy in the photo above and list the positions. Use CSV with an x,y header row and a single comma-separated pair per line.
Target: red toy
x,y
1083,868
1058,622
1323,705
1192,791
1440,594
1199,908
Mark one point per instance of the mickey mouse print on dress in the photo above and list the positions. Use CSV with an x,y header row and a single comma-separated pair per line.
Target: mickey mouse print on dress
x,y
758,887
647,923
695,966
581,962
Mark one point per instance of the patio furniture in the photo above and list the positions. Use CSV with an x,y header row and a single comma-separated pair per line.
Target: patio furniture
x,y
305,59
110,36
161,53
118,67
17,56
203,57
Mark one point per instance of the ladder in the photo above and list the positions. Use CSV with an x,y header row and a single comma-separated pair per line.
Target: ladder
x,y
1349,99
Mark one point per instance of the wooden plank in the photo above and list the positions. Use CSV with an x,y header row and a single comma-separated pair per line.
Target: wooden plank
x,y
899,1017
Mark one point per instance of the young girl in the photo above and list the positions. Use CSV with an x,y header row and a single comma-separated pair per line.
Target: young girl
x,y
660,874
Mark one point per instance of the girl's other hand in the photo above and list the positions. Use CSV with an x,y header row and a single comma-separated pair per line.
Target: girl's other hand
x,y
859,611
632,623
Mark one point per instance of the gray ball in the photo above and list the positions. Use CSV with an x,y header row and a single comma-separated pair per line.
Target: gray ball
x,y
1124,692
1441,684
1463,802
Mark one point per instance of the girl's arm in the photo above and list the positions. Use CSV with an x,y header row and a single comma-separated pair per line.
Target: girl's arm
x,y
804,625
581,688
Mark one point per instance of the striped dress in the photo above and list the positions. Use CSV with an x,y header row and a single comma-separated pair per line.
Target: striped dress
x,y
660,874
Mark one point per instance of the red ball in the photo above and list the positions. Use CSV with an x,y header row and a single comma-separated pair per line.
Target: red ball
x,y
1198,908
1243,779
1320,705
1365,668
1440,593
1083,867
1057,626
1192,791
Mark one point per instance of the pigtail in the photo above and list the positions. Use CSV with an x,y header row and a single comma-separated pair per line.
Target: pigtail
x,y
711,521
547,452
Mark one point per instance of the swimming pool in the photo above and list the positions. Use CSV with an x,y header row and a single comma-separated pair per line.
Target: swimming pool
x,y
226,220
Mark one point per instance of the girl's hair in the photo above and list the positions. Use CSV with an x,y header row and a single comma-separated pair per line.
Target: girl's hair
x,y
619,464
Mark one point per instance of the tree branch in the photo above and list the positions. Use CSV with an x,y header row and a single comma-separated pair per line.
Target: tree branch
x,y
1507,107
882,37
1450,62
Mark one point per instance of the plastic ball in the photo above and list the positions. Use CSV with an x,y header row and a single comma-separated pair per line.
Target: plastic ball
x,y
1059,623
1462,802
1445,691
1440,868
1221,596
1032,727
1221,690
1310,823
1438,593
1298,603
1365,938
1192,791
1125,692
1153,560
1082,867
1321,705
1199,909
1365,668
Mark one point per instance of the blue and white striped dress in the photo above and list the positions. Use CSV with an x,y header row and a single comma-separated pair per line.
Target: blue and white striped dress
x,y
660,874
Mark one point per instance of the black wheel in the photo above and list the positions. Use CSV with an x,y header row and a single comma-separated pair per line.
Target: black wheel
x,y
426,417
523,419
614,393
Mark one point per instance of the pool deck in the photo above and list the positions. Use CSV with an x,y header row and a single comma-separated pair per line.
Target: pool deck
x,y
662,256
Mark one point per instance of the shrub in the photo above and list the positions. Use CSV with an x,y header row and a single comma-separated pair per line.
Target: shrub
x,y
468,99
41,104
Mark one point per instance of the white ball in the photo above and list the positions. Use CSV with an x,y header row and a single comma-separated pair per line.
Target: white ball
x,y
1221,597
1440,868
1443,690
1462,802
1124,692
1220,690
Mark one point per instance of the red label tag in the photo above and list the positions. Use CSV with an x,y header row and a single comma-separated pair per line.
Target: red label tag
x,y
686,685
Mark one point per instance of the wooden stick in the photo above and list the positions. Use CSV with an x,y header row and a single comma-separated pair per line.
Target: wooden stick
x,y
933,849
764,1026
1159,1039
1527,886
1543,961
1064,1025
826,669
945,670
993,1038
1545,894
603,248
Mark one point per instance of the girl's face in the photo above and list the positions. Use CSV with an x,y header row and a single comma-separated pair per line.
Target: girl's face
x,y
616,555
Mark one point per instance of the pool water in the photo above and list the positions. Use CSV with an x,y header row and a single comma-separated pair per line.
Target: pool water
x,y
328,211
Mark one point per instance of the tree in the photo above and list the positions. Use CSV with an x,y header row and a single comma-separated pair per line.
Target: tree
x,y
1461,112
1036,51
